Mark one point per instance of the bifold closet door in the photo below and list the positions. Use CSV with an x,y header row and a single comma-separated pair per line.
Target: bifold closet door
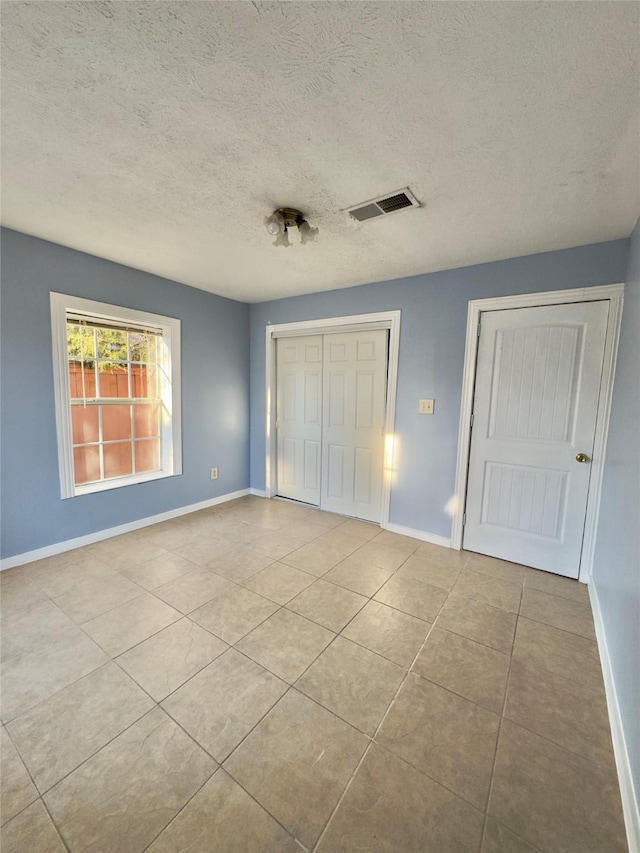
x,y
299,417
353,413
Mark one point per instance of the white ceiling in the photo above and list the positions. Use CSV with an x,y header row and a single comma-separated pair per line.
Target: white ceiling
x,y
159,135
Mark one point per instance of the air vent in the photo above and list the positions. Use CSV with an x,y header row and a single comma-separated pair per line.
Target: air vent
x,y
384,205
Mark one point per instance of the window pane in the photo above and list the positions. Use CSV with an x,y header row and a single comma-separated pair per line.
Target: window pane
x,y
76,371
112,345
117,459
116,422
84,424
114,381
80,341
144,380
146,420
147,455
86,464
142,347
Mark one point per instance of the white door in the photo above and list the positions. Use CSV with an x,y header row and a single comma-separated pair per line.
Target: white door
x,y
536,397
354,390
299,417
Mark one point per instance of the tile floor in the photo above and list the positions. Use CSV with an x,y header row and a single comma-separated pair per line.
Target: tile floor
x,y
264,677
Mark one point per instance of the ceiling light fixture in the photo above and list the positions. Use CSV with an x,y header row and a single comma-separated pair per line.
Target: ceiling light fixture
x,y
282,219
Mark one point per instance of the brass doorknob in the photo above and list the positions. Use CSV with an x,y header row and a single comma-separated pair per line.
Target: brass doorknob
x,y
582,457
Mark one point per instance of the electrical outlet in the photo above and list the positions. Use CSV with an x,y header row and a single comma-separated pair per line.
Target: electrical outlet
x,y
425,407
214,473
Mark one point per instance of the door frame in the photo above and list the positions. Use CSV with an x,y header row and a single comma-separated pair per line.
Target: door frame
x,y
354,323
614,293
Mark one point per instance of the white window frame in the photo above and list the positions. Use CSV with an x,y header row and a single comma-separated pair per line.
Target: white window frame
x,y
171,430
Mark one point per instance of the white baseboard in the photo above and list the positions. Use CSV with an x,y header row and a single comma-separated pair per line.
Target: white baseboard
x,y
259,493
419,534
98,536
627,791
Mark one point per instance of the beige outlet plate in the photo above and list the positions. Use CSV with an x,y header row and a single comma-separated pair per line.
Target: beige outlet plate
x,y
425,407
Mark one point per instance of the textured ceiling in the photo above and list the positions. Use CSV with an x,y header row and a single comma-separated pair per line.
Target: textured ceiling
x,y
159,135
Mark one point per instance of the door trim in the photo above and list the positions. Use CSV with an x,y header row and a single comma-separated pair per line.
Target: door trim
x,y
354,323
614,293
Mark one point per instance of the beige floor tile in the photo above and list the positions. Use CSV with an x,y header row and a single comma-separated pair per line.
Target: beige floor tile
x,y
558,612
411,596
169,534
465,667
302,531
193,590
492,567
316,558
233,615
388,632
353,682
557,585
286,644
567,712
565,654
297,762
450,739
239,564
220,705
17,790
362,529
66,729
480,622
240,531
158,571
275,544
23,574
123,552
203,551
325,519
92,598
392,808
29,629
57,579
126,794
397,540
130,624
19,594
493,591
241,825
499,839
552,798
327,604
383,556
33,831
33,676
279,582
346,543
172,656
440,554
358,577
442,575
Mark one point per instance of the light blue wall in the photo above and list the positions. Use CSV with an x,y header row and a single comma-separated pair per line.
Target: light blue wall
x,y
215,376
432,338
616,572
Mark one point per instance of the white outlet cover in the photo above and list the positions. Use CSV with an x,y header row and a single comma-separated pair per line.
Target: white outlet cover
x,y
425,407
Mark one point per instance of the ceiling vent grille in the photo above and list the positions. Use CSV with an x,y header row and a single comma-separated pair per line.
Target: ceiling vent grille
x,y
385,204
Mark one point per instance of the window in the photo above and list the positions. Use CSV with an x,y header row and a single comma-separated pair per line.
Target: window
x,y
117,388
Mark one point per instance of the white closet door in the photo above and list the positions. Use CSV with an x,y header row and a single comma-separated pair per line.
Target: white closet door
x,y
354,387
299,417
535,404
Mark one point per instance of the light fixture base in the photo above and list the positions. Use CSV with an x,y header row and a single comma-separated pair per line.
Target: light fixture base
x,y
291,216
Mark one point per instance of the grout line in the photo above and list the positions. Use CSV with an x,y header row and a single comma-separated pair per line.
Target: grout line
x,y
499,732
